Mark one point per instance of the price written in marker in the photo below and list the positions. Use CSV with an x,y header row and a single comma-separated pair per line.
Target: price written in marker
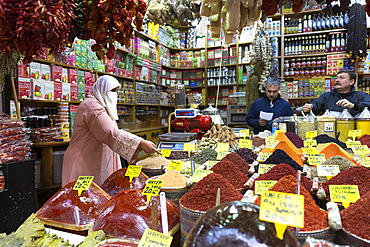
x,y
310,150
310,143
189,147
316,159
133,171
152,188
360,150
311,134
272,144
245,143
221,155
199,174
263,168
345,194
223,147
270,138
263,185
263,156
350,144
244,133
354,133
166,152
175,165
365,161
327,170
152,238
83,183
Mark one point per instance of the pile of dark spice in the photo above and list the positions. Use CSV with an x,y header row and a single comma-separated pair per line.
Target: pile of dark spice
x,y
339,160
295,139
314,218
230,171
365,140
178,155
248,155
202,196
281,170
258,141
355,218
356,175
242,165
204,156
326,139
279,156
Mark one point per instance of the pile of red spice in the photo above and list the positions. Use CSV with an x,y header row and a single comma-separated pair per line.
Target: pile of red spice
x,y
202,197
355,218
230,171
242,165
357,175
365,140
295,139
315,218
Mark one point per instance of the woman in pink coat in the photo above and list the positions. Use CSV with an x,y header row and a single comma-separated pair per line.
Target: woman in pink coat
x,y
97,142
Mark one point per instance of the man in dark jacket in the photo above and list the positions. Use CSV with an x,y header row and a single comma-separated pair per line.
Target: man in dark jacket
x,y
344,96
270,103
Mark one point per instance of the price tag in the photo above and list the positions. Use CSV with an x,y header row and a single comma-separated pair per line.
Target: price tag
x,y
263,185
270,138
354,133
365,161
272,144
310,150
310,143
152,188
263,168
311,134
316,159
283,209
83,183
263,156
360,150
350,144
222,147
166,152
189,146
221,155
327,170
280,131
133,171
245,143
329,127
199,174
345,194
175,165
210,163
244,133
152,238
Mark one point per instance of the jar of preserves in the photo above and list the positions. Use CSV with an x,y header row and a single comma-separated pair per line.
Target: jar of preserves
x,y
301,72
296,72
313,61
303,62
319,61
298,63
323,61
308,62
312,71
286,72
291,72
323,70
318,71
306,71
292,63
286,63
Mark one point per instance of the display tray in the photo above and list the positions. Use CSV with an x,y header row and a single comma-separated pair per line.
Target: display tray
x,y
178,136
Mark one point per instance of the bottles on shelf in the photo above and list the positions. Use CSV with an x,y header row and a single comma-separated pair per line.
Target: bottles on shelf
x,y
307,66
225,76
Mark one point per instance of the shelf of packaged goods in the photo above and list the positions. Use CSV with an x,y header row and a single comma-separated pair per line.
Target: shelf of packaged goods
x,y
49,101
315,54
183,68
130,104
316,32
307,77
222,65
117,76
303,13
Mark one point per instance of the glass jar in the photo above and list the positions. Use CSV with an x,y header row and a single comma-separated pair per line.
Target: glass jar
x,y
326,125
323,61
298,63
288,123
319,61
308,62
286,72
345,123
323,71
291,72
296,72
306,71
304,125
313,61
318,71
303,62
286,63
292,63
301,72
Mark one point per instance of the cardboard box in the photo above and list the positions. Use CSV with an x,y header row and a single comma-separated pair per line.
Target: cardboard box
x,y
37,89
24,71
66,92
64,75
24,88
74,91
56,73
57,91
35,70
81,92
72,75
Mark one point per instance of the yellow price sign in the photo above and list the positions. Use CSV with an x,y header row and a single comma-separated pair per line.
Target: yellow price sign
x,y
316,159
245,143
222,147
189,147
175,165
310,150
311,134
263,168
279,131
133,171
152,238
152,188
365,161
327,170
354,133
244,133
83,183
283,209
272,144
345,194
221,155
199,174
263,156
263,185
360,150
350,144
310,143
210,163
166,152
270,138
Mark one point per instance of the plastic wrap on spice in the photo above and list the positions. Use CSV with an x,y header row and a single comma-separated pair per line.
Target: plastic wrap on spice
x,y
202,196
295,139
10,123
248,155
118,182
242,165
65,209
230,171
236,224
279,157
127,215
314,217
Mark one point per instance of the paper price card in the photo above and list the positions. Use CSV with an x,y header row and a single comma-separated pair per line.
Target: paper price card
x,y
345,194
210,163
263,156
222,147
350,144
270,138
152,188
316,159
83,183
189,146
283,209
360,150
271,144
133,171
310,150
310,143
199,174
311,134
175,165
221,155
263,185
354,133
166,152
152,238
244,133
365,161
327,170
245,143
279,131
263,168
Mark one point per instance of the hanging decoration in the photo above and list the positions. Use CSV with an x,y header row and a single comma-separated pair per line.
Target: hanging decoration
x,y
343,6
357,33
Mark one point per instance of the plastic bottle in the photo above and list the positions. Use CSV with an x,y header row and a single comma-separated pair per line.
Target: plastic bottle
x,y
275,126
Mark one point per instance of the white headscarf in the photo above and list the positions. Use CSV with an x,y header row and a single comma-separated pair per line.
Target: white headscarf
x,y
102,92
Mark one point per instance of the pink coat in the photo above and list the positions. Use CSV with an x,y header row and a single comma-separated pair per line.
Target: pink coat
x,y
94,137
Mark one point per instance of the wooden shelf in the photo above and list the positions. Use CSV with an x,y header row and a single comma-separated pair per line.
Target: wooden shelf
x,y
316,32
315,54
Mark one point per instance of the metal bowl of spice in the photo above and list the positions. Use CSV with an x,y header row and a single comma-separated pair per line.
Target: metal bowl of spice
x,y
325,234
345,237
153,165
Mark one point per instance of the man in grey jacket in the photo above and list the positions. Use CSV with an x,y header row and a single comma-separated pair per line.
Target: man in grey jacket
x,y
344,96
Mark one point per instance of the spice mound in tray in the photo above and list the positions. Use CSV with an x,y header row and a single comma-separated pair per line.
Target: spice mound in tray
x,y
240,163
127,215
118,182
233,224
154,162
65,209
230,171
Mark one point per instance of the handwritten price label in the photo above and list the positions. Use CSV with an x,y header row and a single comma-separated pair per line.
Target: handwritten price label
x,y
354,133
327,170
360,150
175,165
310,150
272,144
310,143
189,146
222,147
365,161
245,143
166,152
350,144
199,174
270,138
244,133
263,168
221,155
152,188
152,238
345,194
316,159
311,134
263,185
133,171
83,183
263,156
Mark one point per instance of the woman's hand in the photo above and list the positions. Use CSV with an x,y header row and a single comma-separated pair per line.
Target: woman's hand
x,y
148,147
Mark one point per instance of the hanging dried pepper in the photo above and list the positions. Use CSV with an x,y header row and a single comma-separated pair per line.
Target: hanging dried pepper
x,y
27,26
